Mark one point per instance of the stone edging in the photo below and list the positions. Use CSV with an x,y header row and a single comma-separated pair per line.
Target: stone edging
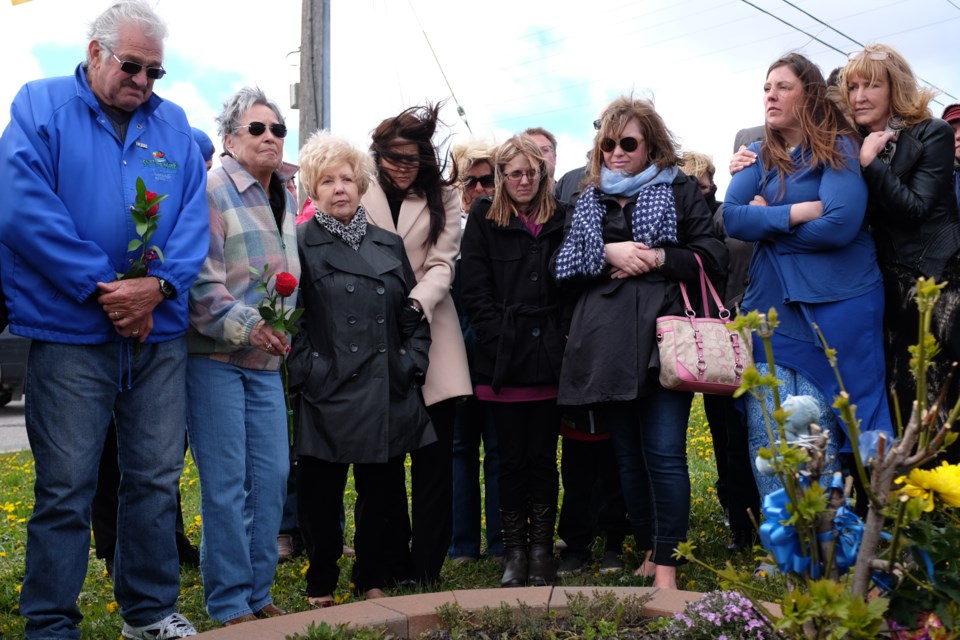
x,y
409,616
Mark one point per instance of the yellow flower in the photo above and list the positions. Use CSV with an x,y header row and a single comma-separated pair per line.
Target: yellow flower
x,y
940,483
112,607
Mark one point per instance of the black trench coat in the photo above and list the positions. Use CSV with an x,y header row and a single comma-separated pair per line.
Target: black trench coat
x,y
357,375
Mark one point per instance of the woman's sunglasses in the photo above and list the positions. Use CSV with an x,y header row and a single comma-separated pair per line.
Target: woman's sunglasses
x,y
879,56
627,144
257,129
486,181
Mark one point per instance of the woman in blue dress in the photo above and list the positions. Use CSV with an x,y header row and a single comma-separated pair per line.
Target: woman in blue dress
x,y
803,204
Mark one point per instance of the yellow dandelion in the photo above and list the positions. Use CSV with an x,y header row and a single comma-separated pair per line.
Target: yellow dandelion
x,y
8,507
112,607
19,587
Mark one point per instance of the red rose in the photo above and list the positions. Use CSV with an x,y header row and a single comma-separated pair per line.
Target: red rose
x,y
152,211
286,284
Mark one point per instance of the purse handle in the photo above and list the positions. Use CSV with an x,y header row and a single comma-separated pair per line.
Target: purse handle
x,y
705,284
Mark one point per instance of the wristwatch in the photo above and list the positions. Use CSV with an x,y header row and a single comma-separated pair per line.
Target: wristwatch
x,y
167,289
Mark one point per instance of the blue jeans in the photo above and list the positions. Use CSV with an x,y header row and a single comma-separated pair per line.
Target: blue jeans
x,y
72,391
238,435
473,422
650,442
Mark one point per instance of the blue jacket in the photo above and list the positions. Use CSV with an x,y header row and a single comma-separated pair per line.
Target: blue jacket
x,y
67,186
828,259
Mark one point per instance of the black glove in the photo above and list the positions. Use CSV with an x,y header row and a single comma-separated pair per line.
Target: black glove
x,y
410,318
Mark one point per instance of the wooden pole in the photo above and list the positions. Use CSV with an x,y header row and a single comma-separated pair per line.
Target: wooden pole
x,y
314,90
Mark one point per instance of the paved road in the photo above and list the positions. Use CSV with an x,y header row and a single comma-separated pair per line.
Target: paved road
x,y
13,434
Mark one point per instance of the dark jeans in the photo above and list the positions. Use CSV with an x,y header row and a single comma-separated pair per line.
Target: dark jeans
x,y
592,499
649,440
431,471
527,433
473,423
736,487
380,516
103,518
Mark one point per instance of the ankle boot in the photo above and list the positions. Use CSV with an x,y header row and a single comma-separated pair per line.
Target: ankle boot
x,y
514,548
542,568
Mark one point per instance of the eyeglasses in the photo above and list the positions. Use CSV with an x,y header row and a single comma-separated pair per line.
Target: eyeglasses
x,y
133,68
471,182
257,129
627,144
879,56
533,175
596,124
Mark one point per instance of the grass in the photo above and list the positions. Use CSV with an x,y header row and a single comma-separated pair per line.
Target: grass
x,y
100,610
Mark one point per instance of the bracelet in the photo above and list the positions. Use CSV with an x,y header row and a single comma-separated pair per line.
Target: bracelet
x,y
413,304
661,257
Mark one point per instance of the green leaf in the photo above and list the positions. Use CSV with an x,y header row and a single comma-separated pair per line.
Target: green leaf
x,y
141,189
254,270
142,228
159,252
135,244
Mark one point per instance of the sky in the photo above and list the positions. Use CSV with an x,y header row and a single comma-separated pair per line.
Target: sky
x,y
510,64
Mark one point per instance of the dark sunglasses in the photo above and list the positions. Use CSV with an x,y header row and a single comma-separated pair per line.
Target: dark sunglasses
x,y
133,68
486,181
627,144
258,129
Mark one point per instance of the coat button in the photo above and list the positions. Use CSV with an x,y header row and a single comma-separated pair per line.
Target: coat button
x,y
355,376
403,351
350,288
535,249
534,276
353,347
380,319
351,320
315,355
536,332
380,290
381,348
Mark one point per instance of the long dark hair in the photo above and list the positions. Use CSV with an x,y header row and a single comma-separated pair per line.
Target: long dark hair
x,y
821,122
416,125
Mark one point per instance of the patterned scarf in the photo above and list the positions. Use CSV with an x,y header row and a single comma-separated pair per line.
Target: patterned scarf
x,y
653,222
351,233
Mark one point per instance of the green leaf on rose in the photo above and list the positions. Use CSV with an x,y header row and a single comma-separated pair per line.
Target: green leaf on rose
x,y
135,244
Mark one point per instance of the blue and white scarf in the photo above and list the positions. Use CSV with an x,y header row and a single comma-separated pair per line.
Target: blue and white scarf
x,y
654,219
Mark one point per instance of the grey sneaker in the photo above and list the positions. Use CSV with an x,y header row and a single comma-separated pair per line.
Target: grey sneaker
x,y
173,626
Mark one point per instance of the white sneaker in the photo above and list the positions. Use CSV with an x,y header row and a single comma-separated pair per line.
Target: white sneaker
x,y
173,626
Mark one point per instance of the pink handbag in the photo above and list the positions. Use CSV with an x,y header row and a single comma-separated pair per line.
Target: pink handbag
x,y
701,353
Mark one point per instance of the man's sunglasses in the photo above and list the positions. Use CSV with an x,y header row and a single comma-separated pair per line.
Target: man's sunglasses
x,y
486,181
627,144
133,68
257,129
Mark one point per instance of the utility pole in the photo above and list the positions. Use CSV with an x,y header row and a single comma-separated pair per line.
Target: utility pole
x,y
313,93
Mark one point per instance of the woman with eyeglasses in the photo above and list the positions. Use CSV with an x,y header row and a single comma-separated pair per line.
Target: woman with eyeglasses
x,y
512,304
236,413
633,236
803,205
907,161
411,198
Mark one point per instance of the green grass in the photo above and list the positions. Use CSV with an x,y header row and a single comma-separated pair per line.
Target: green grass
x,y
102,619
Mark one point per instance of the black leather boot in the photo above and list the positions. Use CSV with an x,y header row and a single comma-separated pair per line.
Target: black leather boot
x,y
514,548
542,568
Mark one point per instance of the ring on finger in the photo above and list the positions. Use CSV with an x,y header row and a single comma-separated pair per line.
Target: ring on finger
x,y
116,315
135,333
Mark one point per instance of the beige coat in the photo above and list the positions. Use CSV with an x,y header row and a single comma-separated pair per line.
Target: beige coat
x,y
448,375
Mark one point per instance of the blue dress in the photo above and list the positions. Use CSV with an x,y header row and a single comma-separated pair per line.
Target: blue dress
x,y
824,273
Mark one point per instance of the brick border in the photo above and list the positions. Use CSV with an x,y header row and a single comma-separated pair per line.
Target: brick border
x,y
409,616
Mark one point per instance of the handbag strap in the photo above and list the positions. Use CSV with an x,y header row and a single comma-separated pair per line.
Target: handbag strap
x,y
705,285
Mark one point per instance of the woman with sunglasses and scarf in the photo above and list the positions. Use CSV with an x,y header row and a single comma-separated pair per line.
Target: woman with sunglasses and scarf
x,y
412,199
512,304
236,414
633,237
803,205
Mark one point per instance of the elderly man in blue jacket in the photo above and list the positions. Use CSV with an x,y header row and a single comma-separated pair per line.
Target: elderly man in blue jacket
x,y
70,160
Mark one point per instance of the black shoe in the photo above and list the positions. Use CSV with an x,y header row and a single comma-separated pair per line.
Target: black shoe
x,y
542,568
742,540
571,565
515,548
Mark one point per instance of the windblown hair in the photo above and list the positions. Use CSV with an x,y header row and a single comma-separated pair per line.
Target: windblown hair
x,y
662,147
105,28
324,152
910,102
228,122
820,119
416,125
503,207
698,164
540,131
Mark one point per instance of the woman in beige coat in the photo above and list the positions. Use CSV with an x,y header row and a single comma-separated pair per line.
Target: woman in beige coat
x,y
413,200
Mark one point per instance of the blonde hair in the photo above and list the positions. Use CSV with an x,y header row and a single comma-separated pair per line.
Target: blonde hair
x,y
698,164
909,101
662,147
467,154
323,152
503,207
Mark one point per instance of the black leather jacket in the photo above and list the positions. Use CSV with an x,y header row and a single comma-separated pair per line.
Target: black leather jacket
x,y
912,208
